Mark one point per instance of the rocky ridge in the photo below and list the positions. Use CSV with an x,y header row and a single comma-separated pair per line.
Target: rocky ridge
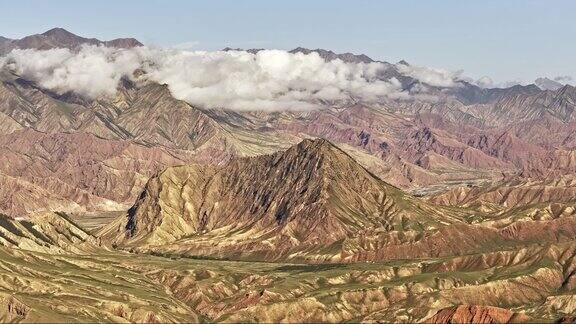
x,y
61,38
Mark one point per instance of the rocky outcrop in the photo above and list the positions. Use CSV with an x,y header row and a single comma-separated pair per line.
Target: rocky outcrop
x,y
47,233
476,314
12,310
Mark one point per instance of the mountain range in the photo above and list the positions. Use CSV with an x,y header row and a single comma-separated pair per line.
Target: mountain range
x,y
60,38
143,207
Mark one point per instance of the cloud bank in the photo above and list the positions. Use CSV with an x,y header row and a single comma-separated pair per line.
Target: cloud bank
x,y
431,76
93,72
563,79
487,83
238,80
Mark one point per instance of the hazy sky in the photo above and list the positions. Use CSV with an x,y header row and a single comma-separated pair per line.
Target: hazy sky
x,y
503,39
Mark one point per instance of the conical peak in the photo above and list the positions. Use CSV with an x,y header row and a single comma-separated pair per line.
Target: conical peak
x,y
57,31
317,143
314,148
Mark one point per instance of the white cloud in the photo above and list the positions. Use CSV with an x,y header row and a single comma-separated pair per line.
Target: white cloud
x,y
485,82
186,45
563,79
93,72
510,83
431,76
267,80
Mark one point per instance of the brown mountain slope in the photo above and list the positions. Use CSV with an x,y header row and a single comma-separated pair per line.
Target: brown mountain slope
x,y
144,112
44,132
475,314
314,203
510,194
311,197
75,171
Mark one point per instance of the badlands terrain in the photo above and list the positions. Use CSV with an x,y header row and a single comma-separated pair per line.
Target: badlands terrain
x,y
445,202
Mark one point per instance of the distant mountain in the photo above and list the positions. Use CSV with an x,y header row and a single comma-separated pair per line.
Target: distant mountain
x,y
251,50
4,40
465,92
547,84
329,55
325,54
61,38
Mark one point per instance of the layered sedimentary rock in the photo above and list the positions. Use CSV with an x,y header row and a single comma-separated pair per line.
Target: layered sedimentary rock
x,y
311,196
314,203
75,172
476,314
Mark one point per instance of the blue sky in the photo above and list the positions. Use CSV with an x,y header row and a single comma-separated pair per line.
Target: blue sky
x,y
505,40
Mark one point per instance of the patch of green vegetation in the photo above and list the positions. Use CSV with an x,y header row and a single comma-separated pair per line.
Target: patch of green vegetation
x,y
303,268
523,269
66,109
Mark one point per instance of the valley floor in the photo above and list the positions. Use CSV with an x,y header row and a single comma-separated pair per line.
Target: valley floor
x,y
113,286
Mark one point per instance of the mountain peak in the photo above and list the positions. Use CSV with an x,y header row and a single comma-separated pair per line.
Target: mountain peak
x,y
57,31
317,143
61,38
330,55
299,199
523,89
318,152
